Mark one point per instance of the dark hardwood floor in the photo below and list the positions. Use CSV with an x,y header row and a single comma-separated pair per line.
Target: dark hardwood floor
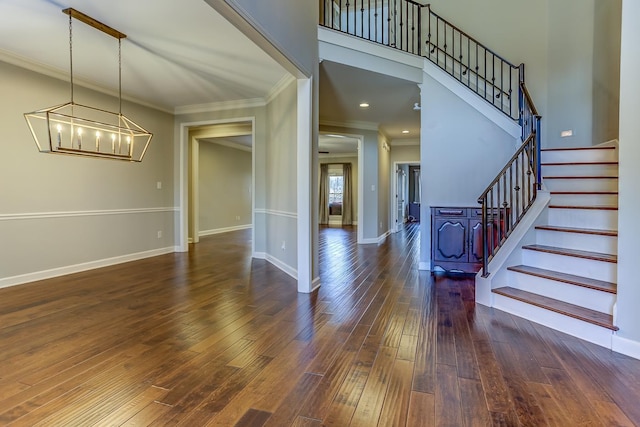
x,y
214,338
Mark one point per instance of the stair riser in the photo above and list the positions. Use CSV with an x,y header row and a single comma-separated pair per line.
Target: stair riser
x,y
580,170
578,328
587,184
584,199
578,295
584,218
579,156
584,242
599,270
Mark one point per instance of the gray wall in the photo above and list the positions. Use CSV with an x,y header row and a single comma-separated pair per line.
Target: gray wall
x,y
292,30
281,177
75,201
225,187
457,162
570,50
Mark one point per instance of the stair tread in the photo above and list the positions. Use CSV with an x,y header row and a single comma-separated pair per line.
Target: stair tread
x,y
592,207
599,232
591,316
574,253
577,163
581,177
612,193
578,148
585,282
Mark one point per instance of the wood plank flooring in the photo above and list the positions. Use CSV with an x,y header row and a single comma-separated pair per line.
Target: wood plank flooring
x,y
214,338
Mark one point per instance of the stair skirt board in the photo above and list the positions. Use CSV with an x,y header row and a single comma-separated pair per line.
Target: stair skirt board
x,y
604,154
584,199
585,242
598,270
573,294
575,327
584,218
581,169
580,184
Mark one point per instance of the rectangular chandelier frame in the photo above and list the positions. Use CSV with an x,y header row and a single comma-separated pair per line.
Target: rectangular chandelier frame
x,y
81,130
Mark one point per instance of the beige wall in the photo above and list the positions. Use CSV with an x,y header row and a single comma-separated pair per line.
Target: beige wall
x,y
60,211
224,186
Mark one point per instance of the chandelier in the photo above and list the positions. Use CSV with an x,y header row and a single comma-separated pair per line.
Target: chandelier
x,y
80,130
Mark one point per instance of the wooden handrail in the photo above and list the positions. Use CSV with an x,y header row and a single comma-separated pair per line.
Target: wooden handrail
x,y
527,96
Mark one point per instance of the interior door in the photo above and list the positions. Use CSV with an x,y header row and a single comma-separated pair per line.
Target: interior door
x,y
400,198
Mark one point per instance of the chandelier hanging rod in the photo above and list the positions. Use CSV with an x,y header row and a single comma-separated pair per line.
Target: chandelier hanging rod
x,y
94,23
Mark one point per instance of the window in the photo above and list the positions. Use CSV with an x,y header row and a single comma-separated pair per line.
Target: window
x,y
335,194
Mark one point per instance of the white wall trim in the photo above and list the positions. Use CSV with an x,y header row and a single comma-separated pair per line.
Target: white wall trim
x,y
220,106
424,266
626,346
383,237
70,214
91,265
369,241
315,284
281,85
351,125
277,213
184,175
282,266
223,230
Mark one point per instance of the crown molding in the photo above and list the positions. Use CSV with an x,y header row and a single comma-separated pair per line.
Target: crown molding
x,y
351,125
285,81
220,106
56,73
404,142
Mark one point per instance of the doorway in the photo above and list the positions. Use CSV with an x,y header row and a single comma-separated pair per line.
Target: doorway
x,y
407,197
221,209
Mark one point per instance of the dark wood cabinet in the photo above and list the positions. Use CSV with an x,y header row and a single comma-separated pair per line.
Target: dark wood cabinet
x,y
455,233
456,237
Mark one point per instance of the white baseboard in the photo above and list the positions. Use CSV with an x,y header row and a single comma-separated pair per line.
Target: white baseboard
x,y
260,255
223,230
424,265
383,237
91,265
282,266
315,283
626,346
368,241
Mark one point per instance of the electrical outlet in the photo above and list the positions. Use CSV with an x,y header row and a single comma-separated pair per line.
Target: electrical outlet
x,y
237,217
159,234
566,133
284,245
159,185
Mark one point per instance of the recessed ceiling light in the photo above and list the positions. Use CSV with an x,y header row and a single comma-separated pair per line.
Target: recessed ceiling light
x,y
364,105
405,131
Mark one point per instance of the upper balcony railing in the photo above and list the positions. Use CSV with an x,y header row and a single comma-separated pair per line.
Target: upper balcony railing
x,y
414,28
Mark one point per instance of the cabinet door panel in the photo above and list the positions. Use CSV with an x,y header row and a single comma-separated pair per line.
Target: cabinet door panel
x,y
451,239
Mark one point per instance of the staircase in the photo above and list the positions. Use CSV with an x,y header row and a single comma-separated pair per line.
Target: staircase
x,y
567,279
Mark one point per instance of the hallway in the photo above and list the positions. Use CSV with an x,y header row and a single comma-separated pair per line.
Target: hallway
x,y
214,338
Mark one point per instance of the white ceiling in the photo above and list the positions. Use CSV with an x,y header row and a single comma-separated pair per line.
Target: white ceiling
x,y
391,100
176,53
183,53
